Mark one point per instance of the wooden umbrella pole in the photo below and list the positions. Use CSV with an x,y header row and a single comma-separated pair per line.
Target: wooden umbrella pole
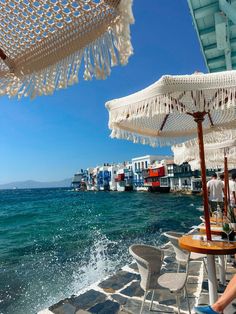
x,y
2,54
199,117
226,181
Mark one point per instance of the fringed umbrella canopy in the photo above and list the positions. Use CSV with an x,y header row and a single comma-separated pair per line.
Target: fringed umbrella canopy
x,y
43,43
220,152
164,113
217,145
161,114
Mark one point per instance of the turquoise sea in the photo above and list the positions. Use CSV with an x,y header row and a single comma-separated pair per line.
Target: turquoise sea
x,y
55,242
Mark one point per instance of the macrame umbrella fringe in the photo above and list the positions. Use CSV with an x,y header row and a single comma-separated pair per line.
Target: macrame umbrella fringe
x,y
146,140
217,144
111,48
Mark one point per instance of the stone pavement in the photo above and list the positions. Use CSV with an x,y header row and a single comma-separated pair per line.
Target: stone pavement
x,y
121,294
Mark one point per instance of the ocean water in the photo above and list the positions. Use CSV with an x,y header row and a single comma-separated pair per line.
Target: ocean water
x,y
55,242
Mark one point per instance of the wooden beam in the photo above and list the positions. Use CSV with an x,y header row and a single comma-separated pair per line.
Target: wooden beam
x,y
216,59
229,9
206,32
221,30
210,48
228,59
223,37
219,69
206,10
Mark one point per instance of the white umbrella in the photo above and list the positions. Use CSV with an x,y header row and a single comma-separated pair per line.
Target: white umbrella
x,y
216,145
220,152
165,112
43,43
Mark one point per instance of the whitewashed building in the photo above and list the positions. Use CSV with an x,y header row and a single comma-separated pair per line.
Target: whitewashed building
x,y
141,163
113,174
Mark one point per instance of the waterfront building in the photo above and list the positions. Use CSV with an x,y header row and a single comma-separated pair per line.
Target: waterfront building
x,y
180,176
103,178
90,179
79,180
147,173
124,178
141,163
152,178
120,180
94,177
183,178
113,174
128,176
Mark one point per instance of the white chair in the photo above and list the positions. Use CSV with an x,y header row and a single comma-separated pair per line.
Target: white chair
x,y
173,238
149,260
202,218
176,282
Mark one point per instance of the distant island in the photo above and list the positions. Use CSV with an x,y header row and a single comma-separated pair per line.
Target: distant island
x,y
31,184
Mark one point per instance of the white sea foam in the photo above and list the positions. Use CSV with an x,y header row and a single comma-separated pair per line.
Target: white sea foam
x,y
94,268
98,266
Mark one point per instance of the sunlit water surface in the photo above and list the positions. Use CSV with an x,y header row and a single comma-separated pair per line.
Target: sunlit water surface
x,y
55,242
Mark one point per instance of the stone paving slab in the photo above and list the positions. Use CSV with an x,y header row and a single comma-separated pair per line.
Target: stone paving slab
x,y
107,307
88,299
133,306
121,294
133,289
119,298
81,302
118,281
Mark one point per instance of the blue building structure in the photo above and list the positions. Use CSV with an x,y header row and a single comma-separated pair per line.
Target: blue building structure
x,y
103,178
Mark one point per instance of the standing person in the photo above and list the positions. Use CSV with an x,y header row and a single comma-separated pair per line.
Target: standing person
x,y
222,179
232,189
215,191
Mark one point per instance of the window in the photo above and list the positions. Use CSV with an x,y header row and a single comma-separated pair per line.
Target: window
x,y
142,165
146,164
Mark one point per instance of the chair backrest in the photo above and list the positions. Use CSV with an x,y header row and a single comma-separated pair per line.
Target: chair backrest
x,y
181,255
149,260
202,218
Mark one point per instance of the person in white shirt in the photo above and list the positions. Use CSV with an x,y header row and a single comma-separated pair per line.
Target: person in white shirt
x,y
215,193
232,189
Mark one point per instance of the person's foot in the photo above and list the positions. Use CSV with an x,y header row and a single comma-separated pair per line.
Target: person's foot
x,y
205,310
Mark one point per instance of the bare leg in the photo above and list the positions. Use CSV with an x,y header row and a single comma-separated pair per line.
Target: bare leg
x,y
227,297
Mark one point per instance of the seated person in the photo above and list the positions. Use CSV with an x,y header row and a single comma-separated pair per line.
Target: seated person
x,y
218,307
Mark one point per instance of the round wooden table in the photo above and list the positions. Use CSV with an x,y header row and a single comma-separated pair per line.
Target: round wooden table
x,y
193,243
215,229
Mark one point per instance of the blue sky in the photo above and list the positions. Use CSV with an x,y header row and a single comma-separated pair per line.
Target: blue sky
x,y
52,137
